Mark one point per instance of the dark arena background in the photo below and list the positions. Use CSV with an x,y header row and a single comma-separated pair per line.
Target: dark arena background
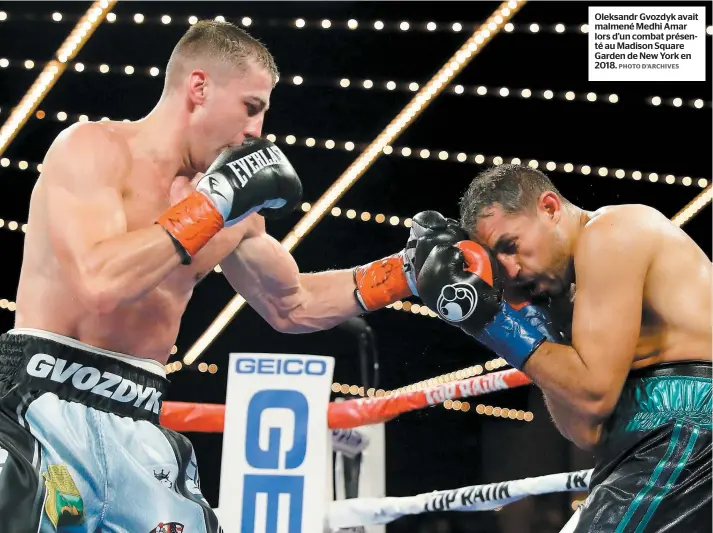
x,y
525,96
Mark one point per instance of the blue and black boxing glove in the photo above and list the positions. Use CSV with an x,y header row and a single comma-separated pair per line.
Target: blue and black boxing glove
x,y
457,282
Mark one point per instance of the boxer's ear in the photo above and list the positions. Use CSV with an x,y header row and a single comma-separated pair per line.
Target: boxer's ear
x,y
550,205
197,86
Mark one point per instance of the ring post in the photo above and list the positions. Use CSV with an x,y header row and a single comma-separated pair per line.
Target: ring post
x,y
274,444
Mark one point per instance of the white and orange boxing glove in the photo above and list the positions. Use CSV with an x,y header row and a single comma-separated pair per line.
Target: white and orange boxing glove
x,y
254,177
385,281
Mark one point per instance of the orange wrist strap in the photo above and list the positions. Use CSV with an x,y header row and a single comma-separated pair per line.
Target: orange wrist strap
x,y
381,283
192,222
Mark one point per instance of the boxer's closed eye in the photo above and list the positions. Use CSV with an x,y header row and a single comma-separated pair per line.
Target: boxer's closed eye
x,y
506,246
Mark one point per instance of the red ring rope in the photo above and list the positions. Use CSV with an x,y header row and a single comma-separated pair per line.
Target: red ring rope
x,y
210,418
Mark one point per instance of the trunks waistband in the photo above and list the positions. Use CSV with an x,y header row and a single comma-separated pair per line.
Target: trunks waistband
x,y
694,369
107,383
662,393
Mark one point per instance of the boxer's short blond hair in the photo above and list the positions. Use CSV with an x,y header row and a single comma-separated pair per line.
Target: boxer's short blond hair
x,y
210,40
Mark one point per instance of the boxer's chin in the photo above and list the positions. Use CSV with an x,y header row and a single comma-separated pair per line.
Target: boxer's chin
x,y
548,287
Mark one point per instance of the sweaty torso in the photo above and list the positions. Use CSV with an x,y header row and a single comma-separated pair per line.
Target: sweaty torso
x,y
676,318
676,312
146,327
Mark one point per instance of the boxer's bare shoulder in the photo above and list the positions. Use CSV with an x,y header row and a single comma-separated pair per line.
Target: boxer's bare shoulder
x,y
90,150
77,200
631,217
99,182
669,273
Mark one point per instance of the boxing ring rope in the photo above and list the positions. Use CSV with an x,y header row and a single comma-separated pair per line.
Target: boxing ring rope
x,y
463,373
489,29
349,414
378,511
345,416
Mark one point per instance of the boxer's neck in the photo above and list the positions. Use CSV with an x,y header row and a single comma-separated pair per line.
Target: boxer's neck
x,y
573,221
162,138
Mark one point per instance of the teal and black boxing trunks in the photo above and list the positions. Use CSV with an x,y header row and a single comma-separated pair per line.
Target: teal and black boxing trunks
x,y
653,471
81,449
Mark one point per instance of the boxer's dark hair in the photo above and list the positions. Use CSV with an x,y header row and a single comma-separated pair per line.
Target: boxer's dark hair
x,y
222,41
514,188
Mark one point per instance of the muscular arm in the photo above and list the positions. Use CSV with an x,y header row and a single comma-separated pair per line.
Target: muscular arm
x,y
106,264
266,275
583,432
582,382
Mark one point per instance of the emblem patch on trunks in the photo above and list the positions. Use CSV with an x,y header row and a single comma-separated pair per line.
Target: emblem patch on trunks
x,y
64,505
168,527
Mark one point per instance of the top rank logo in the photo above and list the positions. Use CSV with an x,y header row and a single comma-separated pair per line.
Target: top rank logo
x,y
462,389
87,378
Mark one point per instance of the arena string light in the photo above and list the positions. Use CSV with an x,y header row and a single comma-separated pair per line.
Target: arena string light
x,y
389,85
679,219
378,218
398,305
336,212
53,70
13,225
426,153
440,80
320,24
693,207
482,159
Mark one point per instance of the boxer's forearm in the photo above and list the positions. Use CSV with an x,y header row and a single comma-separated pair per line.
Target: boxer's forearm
x,y
123,268
320,301
267,276
562,374
580,430
327,299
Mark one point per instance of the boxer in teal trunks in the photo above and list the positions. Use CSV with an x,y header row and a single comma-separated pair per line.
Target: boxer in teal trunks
x,y
630,376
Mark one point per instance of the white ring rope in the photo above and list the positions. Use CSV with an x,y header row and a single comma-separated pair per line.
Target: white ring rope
x,y
376,511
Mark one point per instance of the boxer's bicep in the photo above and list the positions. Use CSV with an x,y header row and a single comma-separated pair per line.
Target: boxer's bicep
x,y
611,264
82,200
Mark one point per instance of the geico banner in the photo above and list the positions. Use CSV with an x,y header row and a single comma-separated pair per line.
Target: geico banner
x,y
275,444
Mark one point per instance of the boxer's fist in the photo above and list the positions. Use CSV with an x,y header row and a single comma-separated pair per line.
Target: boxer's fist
x,y
254,177
428,228
459,282
456,281
392,278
